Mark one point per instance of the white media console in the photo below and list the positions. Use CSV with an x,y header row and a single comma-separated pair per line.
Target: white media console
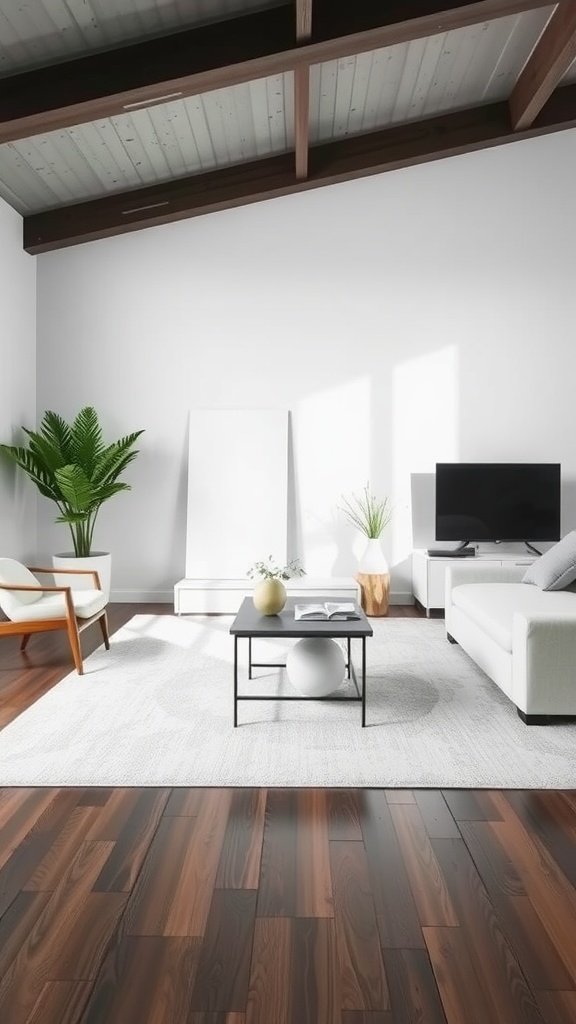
x,y
428,573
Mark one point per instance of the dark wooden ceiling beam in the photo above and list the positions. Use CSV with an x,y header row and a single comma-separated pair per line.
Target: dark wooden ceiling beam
x,y
552,56
401,146
223,54
303,20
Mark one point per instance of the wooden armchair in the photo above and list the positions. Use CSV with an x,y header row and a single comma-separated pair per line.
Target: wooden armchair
x,y
31,607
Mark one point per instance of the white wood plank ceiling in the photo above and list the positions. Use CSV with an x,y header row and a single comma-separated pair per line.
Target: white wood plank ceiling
x,y
35,33
170,140
451,71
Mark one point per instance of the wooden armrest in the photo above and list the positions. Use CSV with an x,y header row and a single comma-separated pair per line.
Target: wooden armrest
x,y
76,572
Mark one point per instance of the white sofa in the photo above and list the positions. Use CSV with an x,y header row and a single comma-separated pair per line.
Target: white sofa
x,y
523,637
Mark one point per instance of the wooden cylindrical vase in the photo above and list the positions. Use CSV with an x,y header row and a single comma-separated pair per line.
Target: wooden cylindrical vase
x,y
374,592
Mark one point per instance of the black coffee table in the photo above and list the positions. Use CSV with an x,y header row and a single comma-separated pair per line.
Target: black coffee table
x,y
251,624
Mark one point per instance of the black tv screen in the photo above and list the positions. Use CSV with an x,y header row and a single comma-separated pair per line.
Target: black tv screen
x,y
497,501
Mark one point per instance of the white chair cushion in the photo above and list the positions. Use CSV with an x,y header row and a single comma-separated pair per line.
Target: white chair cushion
x,y
492,605
53,606
14,572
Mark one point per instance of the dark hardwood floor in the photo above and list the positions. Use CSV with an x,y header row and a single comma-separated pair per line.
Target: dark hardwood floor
x,y
280,906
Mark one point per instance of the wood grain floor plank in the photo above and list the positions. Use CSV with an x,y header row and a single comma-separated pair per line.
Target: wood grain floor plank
x,y
551,894
19,812
223,972
313,881
277,892
269,990
314,978
33,848
176,901
17,923
344,814
399,796
549,816
537,955
60,1001
494,865
426,881
398,923
413,992
557,1007
239,866
471,805
462,995
131,819
185,802
206,1017
46,954
48,873
97,796
367,1017
435,814
494,960
144,980
362,978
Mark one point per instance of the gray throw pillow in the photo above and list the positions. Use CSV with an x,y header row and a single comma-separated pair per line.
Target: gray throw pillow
x,y
556,568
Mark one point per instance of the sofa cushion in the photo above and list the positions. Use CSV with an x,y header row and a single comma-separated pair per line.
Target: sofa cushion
x,y
556,568
492,605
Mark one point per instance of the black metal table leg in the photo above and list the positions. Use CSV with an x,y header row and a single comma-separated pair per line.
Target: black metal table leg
x,y
249,657
363,681
349,658
235,681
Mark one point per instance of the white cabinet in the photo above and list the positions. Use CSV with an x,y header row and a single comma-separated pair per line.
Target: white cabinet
x,y
428,573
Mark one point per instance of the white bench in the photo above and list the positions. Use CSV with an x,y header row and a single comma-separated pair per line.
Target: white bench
x,y
224,597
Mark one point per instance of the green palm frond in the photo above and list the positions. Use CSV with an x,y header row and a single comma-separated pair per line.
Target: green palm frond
x,y
114,459
77,490
87,441
70,464
34,468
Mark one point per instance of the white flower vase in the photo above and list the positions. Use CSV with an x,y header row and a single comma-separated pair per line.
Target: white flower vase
x,y
374,579
372,562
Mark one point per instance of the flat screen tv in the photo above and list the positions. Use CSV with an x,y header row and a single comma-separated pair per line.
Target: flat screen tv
x,y
503,501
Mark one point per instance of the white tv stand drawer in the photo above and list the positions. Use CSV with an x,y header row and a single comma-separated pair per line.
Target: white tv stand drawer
x,y
428,573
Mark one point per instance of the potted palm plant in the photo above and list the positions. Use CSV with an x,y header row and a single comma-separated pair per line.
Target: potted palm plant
x,y
70,464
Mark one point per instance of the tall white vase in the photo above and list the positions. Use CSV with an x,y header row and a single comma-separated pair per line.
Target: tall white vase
x,y
99,560
372,562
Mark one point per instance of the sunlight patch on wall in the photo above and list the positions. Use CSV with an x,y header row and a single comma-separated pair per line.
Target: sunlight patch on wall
x,y
425,405
332,446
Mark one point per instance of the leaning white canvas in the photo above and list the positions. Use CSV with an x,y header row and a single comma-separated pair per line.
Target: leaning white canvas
x,y
237,491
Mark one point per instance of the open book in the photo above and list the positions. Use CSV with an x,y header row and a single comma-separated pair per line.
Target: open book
x,y
326,610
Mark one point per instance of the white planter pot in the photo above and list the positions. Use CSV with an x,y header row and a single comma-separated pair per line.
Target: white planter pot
x,y
372,562
101,561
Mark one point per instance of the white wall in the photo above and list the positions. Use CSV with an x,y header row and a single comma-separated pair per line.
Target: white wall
x,y
418,316
17,383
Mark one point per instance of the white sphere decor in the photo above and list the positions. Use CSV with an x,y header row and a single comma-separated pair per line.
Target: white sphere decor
x,y
316,666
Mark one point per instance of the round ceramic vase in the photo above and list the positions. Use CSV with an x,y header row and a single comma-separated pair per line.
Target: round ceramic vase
x,y
269,597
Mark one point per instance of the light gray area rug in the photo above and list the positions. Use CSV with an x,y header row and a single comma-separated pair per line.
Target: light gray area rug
x,y
156,710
